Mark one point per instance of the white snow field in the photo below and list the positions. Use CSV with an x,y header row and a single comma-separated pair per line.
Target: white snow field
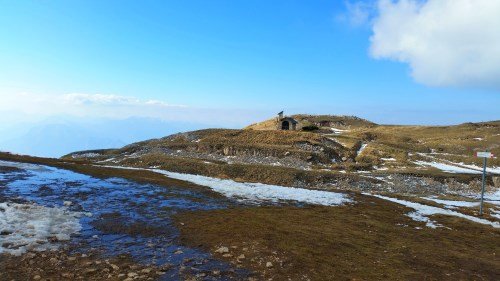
x,y
28,227
262,192
423,211
255,192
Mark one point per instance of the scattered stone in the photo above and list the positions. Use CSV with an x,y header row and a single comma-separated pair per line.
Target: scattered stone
x,y
269,264
132,274
67,203
241,257
37,277
178,252
90,270
71,258
227,255
114,266
146,270
222,250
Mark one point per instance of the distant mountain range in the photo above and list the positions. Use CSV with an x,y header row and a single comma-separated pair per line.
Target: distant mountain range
x,y
56,137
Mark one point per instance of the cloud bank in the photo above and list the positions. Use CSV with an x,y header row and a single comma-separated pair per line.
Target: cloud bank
x,y
445,42
37,107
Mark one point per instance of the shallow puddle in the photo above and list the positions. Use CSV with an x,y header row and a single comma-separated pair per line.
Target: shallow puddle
x,y
126,217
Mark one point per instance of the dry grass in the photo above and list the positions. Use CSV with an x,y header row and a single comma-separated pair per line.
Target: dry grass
x,y
455,143
371,240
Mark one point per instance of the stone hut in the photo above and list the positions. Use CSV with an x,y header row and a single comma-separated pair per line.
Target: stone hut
x,y
285,123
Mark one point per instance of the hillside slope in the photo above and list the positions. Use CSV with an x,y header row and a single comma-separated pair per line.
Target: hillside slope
x,y
348,150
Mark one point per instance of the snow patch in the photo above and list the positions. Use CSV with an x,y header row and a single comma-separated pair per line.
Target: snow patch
x,y
25,227
363,146
447,168
452,203
257,192
494,170
495,213
422,210
338,131
261,192
388,159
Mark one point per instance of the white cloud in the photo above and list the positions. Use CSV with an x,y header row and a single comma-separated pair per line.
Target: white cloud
x,y
113,100
357,13
83,105
445,42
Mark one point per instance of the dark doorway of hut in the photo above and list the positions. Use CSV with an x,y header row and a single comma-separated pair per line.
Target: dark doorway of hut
x,y
285,125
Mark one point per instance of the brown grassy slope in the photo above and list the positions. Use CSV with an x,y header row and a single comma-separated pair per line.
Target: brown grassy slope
x,y
217,138
302,145
460,140
371,240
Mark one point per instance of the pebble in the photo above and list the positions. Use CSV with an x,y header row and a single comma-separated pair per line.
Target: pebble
x,y
90,270
37,277
114,266
132,274
66,275
222,250
269,264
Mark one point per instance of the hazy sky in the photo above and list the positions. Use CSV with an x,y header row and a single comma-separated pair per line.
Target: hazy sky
x,y
235,62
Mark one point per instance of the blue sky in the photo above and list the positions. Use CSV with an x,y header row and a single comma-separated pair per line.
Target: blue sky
x,y
256,57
